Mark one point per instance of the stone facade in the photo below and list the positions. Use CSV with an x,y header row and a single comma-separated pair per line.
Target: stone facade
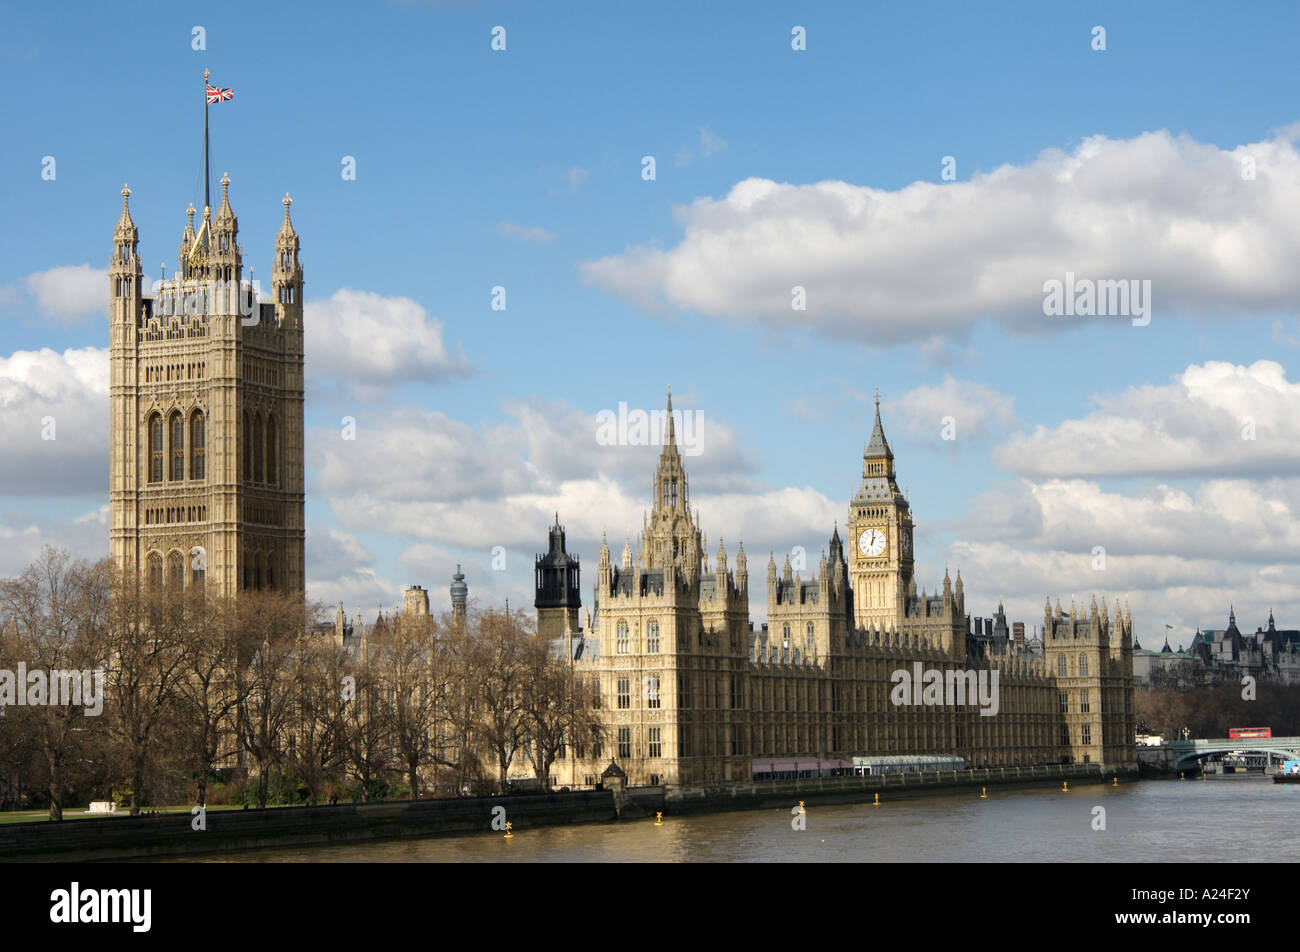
x,y
206,418
692,693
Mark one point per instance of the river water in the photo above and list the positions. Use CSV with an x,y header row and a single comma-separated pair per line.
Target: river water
x,y
1230,819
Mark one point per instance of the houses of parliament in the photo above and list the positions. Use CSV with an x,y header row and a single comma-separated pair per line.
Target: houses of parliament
x,y
207,488
692,693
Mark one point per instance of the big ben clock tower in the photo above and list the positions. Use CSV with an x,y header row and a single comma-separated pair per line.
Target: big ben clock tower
x,y
880,536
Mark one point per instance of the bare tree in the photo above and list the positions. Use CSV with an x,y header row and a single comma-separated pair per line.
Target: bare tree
x,y
270,624
205,699
56,614
367,725
147,637
498,653
559,707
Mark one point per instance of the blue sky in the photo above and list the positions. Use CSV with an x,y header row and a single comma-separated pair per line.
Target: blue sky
x,y
523,169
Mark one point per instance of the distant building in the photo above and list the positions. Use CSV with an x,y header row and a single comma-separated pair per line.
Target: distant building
x,y
1220,655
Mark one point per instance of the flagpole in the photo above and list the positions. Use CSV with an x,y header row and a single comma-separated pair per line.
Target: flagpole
x,y
207,199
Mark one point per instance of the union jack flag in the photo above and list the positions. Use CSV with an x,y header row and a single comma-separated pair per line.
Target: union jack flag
x,y
216,94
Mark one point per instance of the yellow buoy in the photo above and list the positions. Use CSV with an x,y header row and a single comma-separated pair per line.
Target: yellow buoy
x,y
877,803
801,809
659,818
509,834
1114,781
1065,786
1181,776
984,793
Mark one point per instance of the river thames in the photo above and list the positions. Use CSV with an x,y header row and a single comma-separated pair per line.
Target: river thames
x,y
1226,820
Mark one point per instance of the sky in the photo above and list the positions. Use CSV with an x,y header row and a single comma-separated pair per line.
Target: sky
x,y
773,208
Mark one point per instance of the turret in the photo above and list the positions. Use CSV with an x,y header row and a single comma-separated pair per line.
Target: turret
x,y
286,275
125,273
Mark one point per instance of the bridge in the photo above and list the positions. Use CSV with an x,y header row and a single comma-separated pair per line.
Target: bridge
x,y
1180,754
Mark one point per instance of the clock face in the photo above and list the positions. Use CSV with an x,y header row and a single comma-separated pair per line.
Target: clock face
x,y
871,542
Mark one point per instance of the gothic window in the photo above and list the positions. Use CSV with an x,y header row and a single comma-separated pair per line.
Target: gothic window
x,y
652,638
248,454
1064,703
177,446
198,569
272,476
257,448
625,742
665,492
155,571
1065,735
258,563
674,485
623,640
656,747
175,570
1085,734
624,693
1083,665
198,444
1084,706
785,636
595,743
155,449
811,641
683,691
1060,666
652,691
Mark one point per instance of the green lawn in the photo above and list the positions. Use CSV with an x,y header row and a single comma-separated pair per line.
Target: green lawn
x,y
80,813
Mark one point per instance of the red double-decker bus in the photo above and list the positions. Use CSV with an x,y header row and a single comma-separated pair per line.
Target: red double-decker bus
x,y
1235,732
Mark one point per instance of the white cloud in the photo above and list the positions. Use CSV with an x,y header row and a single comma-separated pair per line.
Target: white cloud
x,y
340,568
525,233
927,261
976,409
65,395
1194,426
368,343
21,541
70,294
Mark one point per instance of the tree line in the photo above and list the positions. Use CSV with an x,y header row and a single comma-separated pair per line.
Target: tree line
x,y
251,696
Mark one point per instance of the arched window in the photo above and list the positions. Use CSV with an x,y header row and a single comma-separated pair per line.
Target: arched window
x,y
811,640
155,569
623,641
198,563
785,635
1083,665
175,570
176,437
1061,666
155,449
248,456
198,443
652,638
257,447
272,476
